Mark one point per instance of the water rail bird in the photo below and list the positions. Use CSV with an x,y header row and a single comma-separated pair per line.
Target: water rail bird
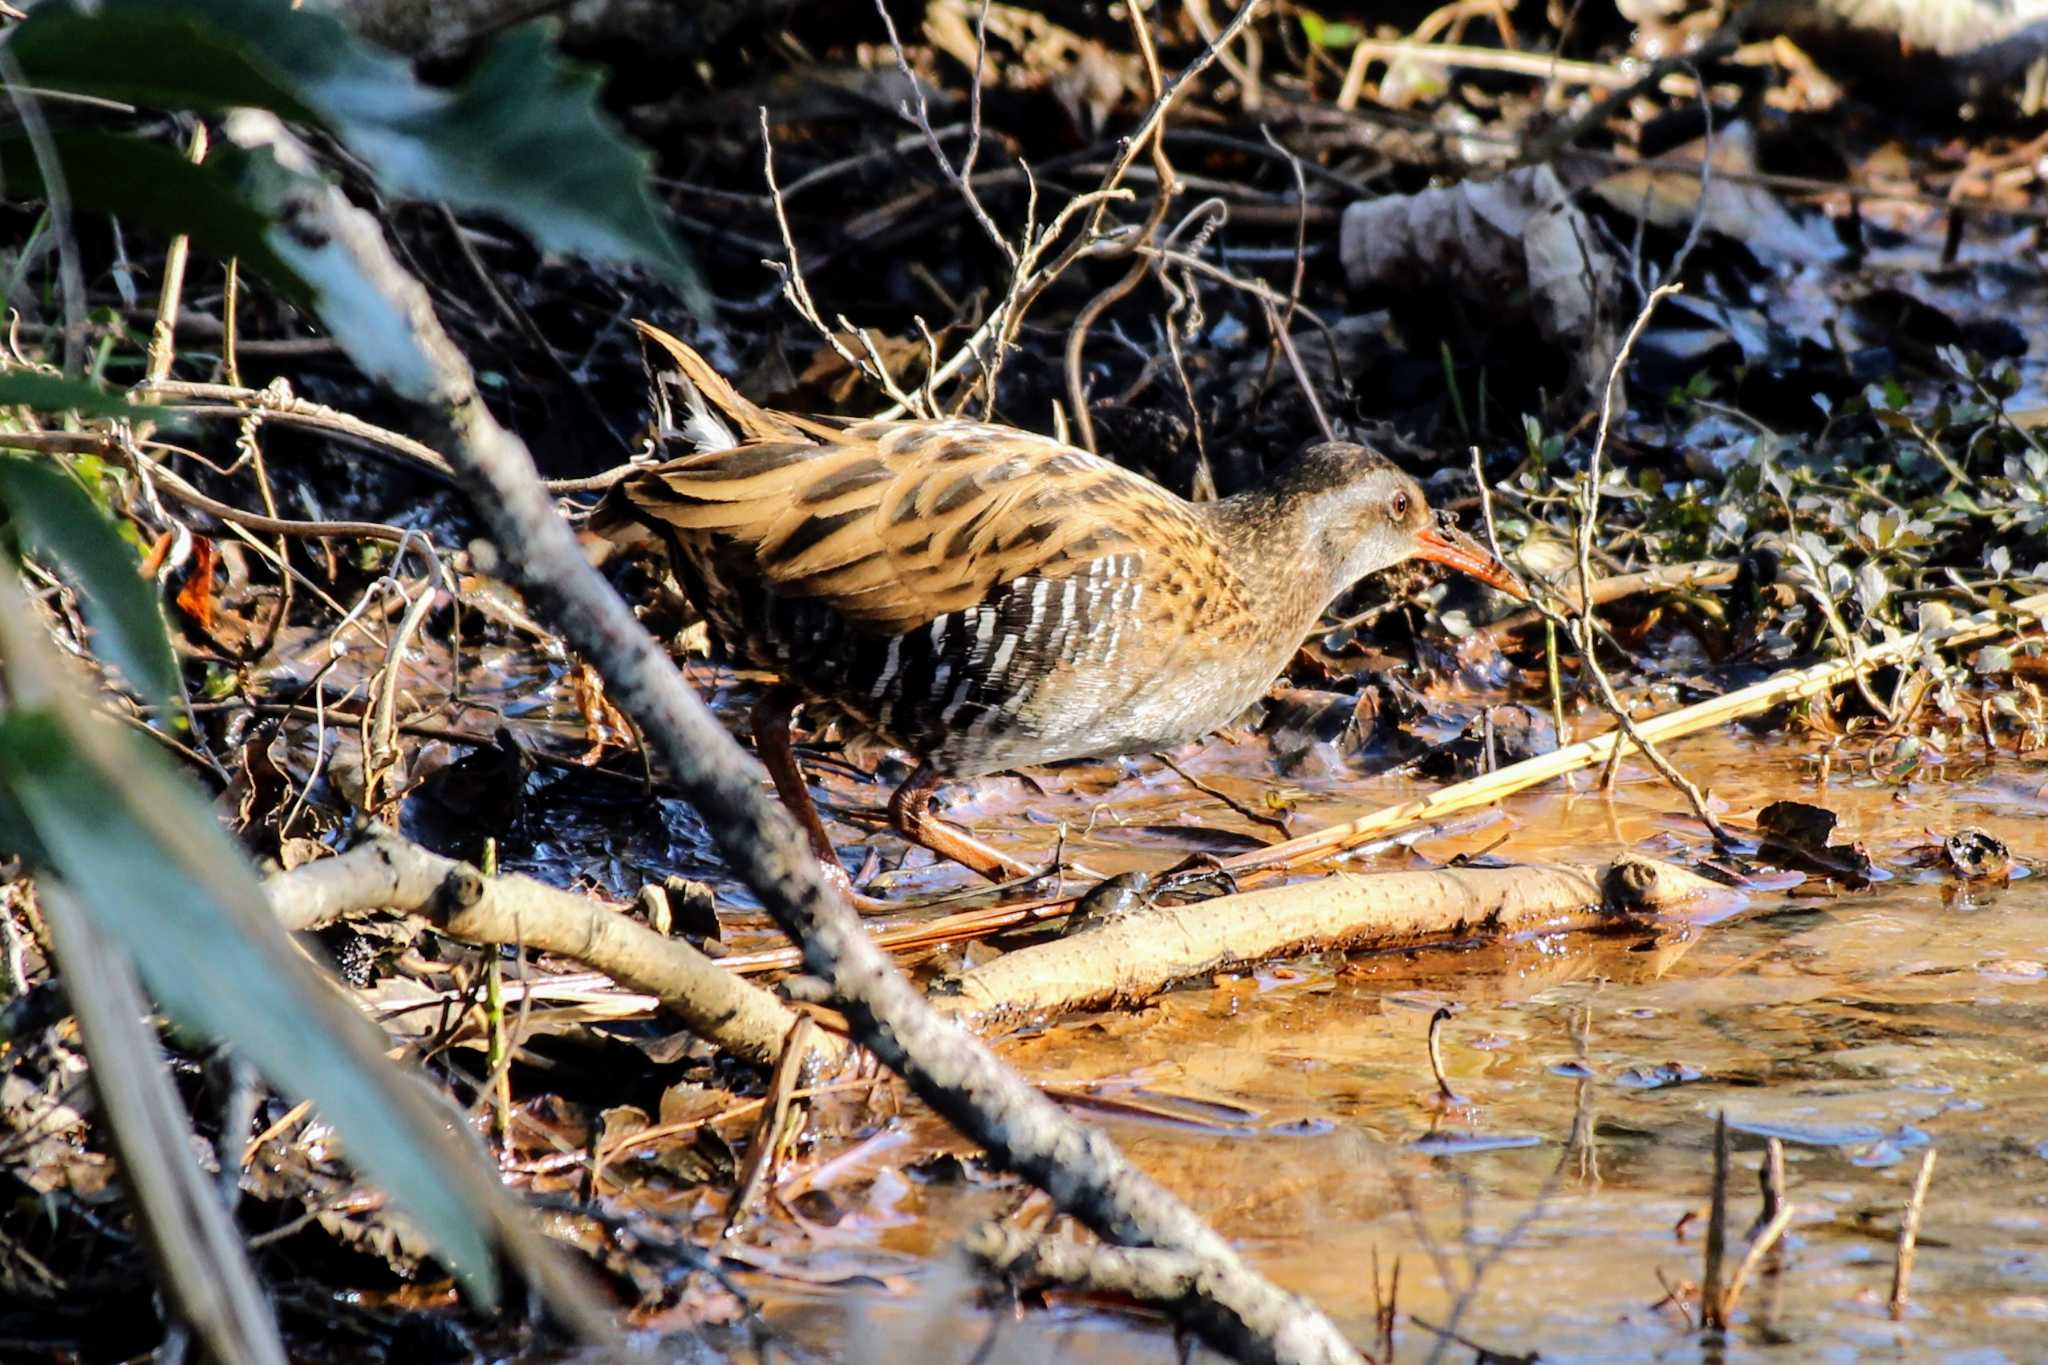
x,y
989,599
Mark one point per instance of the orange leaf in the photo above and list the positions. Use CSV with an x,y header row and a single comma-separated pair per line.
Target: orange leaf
x,y
196,598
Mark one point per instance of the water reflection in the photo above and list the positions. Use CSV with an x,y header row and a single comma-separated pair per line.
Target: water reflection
x,y
1856,1027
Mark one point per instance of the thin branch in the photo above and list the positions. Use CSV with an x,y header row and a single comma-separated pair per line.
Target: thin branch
x,y
389,873
1909,1235
921,116
279,404
163,332
799,293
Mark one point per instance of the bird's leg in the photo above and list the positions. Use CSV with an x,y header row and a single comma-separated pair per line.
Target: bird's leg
x,y
771,741
910,811
1197,869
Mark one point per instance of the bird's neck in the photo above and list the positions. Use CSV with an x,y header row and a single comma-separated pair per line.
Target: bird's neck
x,y
1273,542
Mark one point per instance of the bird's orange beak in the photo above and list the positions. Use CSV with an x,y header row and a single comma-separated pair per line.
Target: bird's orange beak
x,y
1448,545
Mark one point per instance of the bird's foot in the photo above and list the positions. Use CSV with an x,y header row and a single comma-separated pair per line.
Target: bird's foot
x,y
1197,869
841,881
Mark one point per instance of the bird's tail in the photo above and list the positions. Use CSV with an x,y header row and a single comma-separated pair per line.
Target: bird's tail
x,y
684,389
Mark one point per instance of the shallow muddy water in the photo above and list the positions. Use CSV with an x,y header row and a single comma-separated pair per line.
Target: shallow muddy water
x,y
1297,1110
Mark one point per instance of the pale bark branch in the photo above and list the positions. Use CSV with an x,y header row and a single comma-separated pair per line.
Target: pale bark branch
x,y
390,874
1145,952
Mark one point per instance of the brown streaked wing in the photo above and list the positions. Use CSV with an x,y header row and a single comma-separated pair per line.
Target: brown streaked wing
x,y
894,524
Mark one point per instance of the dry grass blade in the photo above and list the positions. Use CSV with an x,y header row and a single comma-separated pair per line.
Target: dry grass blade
x,y
1797,684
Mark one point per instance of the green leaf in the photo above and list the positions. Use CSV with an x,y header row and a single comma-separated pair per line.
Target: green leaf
x,y
153,55
17,835
1323,32
54,519
150,184
522,138
157,875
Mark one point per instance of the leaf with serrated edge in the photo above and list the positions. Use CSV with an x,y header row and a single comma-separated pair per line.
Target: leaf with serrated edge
x,y
522,137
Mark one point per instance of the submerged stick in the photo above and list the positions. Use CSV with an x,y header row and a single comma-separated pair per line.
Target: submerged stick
x,y
1797,684
1141,954
1713,1297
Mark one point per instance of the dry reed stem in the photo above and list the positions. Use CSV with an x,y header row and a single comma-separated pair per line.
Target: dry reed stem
x,y
1799,684
1767,1237
1713,1300
1140,954
1909,1236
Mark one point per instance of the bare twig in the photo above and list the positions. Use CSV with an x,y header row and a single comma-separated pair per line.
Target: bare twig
x,y
1770,1177
380,720
1162,204
799,293
1909,1235
250,445
1543,66
163,332
388,873
1436,1052
790,1071
178,489
981,348
920,115
1713,1301
1030,283
1791,685
1559,138
1760,1246
225,400
1281,323
1583,625
1707,573
1215,793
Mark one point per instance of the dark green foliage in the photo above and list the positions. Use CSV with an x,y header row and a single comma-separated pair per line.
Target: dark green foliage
x,y
51,517
522,139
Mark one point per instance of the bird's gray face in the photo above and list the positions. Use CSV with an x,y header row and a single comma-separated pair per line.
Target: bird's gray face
x,y
1385,520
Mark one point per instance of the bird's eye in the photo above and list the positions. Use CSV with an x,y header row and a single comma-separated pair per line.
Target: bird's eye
x,y
1398,507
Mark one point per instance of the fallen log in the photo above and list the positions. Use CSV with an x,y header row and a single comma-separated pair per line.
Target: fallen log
x,y
1142,953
